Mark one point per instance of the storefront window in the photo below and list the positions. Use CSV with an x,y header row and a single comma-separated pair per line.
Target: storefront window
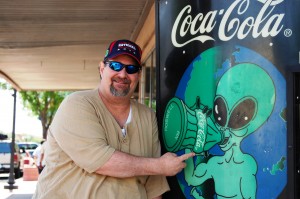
x,y
147,85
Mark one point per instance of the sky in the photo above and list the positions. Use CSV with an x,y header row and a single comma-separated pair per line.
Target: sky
x,y
26,123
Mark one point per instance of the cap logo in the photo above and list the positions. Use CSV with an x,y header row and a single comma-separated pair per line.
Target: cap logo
x,y
126,45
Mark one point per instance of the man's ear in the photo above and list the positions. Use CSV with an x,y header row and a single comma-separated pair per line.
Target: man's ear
x,y
101,68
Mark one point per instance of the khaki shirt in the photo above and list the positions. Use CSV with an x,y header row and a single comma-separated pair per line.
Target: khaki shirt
x,y
82,137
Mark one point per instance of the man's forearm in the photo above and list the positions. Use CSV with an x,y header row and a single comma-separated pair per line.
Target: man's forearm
x,y
123,165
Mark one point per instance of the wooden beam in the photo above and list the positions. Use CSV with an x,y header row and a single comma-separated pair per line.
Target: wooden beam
x,y
146,37
10,81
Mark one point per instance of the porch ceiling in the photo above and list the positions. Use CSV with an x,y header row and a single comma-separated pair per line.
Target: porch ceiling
x,y
57,45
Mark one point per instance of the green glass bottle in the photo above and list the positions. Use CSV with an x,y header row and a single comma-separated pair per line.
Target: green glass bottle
x,y
190,128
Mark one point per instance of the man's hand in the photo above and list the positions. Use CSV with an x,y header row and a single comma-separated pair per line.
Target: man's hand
x,y
171,164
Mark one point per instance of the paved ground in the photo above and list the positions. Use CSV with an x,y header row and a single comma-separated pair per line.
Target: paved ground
x,y
25,189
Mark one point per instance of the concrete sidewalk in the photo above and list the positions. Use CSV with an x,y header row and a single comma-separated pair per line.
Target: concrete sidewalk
x,y
25,190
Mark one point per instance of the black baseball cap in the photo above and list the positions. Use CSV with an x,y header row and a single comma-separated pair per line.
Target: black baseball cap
x,y
124,47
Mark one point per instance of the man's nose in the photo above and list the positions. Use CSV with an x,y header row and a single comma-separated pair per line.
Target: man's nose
x,y
123,72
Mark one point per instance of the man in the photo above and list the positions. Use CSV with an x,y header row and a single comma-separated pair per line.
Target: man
x,y
38,156
102,144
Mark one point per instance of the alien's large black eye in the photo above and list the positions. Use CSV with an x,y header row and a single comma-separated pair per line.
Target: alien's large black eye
x,y
220,111
242,114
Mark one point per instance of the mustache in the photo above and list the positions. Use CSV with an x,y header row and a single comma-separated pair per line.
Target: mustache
x,y
121,80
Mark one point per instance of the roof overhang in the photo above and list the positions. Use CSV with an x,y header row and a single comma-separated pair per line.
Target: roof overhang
x,y
57,45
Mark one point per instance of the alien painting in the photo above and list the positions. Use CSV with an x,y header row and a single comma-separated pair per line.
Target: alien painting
x,y
230,111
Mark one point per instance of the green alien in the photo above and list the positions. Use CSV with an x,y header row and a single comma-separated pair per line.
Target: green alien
x,y
243,102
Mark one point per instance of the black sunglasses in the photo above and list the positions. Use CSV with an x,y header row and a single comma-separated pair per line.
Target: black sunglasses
x,y
117,66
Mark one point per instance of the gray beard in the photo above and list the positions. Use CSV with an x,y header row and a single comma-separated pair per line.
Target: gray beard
x,y
118,93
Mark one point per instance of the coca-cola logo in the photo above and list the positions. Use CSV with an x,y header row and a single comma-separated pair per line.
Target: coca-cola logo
x,y
235,22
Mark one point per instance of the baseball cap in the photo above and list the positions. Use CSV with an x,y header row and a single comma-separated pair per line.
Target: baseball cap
x,y
124,47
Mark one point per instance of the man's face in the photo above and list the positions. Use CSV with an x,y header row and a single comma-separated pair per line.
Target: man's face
x,y
120,84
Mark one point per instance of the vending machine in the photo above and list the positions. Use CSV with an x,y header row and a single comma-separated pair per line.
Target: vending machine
x,y
228,90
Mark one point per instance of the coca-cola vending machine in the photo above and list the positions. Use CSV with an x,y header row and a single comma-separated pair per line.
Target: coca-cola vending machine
x,y
228,90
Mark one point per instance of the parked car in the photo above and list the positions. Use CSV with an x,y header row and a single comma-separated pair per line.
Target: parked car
x,y
5,154
27,145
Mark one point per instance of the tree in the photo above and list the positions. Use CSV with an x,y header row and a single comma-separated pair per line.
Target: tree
x,y
42,104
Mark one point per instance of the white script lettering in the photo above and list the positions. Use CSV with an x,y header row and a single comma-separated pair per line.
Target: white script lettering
x,y
197,28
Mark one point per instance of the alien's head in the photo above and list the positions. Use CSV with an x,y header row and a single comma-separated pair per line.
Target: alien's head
x,y
244,100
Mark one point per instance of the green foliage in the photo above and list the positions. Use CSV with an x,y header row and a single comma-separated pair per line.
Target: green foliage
x,y
43,104
147,103
4,86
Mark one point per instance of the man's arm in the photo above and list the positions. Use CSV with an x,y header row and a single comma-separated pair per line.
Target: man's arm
x,y
42,152
123,165
41,160
34,155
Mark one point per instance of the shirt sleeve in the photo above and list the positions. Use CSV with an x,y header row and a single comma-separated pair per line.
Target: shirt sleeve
x,y
79,133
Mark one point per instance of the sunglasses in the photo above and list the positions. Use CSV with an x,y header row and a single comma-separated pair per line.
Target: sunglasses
x,y
117,66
